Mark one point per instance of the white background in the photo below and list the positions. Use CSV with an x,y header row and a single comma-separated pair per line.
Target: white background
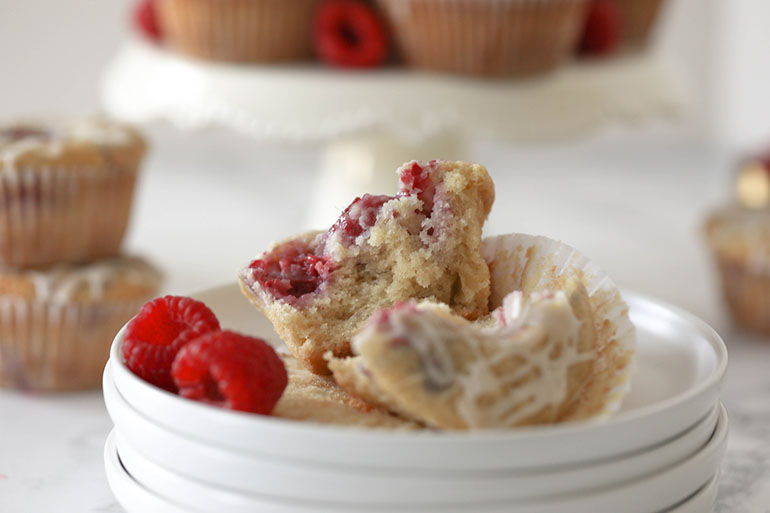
x,y
634,201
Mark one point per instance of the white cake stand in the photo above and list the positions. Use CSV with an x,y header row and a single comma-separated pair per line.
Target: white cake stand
x,y
374,120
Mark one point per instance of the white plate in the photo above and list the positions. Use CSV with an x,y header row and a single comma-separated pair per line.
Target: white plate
x,y
665,490
680,366
702,501
207,463
134,497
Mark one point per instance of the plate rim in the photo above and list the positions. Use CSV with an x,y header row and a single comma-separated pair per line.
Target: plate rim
x,y
487,435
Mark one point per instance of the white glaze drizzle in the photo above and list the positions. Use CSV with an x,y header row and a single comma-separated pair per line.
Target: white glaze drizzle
x,y
428,339
547,320
59,284
529,332
96,130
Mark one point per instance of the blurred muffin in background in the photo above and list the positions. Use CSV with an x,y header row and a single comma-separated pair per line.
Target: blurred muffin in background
x,y
238,30
65,190
486,37
638,19
57,324
739,236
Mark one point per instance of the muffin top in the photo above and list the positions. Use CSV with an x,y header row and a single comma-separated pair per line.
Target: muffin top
x,y
78,144
741,233
113,280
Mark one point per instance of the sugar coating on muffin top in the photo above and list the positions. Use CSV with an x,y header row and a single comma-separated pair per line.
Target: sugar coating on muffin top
x,y
318,289
87,142
114,279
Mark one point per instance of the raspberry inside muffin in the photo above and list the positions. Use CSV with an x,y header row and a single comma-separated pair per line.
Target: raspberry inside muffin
x,y
318,289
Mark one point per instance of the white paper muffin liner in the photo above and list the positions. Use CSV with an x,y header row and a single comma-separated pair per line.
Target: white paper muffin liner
x,y
57,215
47,346
486,38
534,263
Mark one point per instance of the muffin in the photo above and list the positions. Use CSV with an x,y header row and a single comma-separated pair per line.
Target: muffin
x,y
637,18
550,352
65,190
312,398
239,30
319,289
486,37
739,238
57,324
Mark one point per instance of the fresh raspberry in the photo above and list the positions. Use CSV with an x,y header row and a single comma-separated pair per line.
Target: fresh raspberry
x,y
146,20
291,271
359,216
349,34
602,31
157,333
416,179
232,371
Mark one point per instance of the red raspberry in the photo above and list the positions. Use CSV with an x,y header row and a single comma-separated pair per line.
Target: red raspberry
x,y
291,271
416,179
146,20
232,371
157,333
602,31
349,34
359,216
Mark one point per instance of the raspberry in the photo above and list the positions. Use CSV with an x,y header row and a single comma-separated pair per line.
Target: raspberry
x,y
232,371
290,271
602,31
416,179
160,329
146,20
349,34
359,216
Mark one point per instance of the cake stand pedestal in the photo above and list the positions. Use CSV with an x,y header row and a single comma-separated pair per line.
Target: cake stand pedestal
x,y
371,121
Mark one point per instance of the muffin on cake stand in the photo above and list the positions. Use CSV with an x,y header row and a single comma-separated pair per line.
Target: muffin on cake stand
x,y
373,120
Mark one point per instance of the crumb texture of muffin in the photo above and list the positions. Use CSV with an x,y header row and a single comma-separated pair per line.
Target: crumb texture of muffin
x,y
239,30
318,289
66,190
486,37
56,324
558,347
313,398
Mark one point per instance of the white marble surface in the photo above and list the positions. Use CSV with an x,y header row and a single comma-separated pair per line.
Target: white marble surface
x,y
635,207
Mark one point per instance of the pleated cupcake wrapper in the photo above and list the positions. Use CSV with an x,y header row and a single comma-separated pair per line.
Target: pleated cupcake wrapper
x,y
51,215
746,290
239,30
532,263
489,38
45,346
638,18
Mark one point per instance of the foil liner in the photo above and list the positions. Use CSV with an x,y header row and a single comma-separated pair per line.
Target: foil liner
x,y
486,38
239,30
534,263
57,215
55,347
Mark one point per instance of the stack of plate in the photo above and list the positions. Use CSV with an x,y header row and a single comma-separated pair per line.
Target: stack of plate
x,y
660,453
